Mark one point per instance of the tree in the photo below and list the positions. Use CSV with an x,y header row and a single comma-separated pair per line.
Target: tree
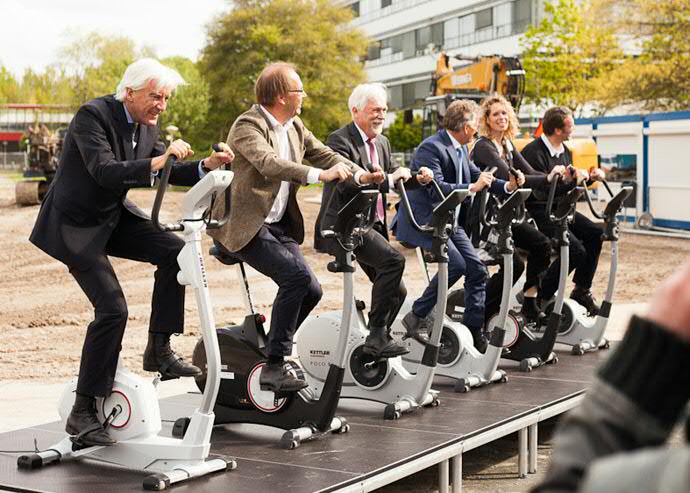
x,y
97,63
566,55
404,136
188,108
9,88
658,78
313,34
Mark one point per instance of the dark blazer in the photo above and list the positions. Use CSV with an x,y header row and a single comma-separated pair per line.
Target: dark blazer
x,y
348,142
438,154
89,192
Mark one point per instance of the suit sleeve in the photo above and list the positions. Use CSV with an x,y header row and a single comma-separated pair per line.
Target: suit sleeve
x,y
95,149
337,144
321,156
430,156
533,178
498,185
247,139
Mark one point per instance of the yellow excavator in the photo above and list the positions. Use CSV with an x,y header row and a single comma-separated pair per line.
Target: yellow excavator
x,y
480,77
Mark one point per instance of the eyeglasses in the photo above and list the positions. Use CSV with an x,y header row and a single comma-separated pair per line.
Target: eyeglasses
x,y
304,93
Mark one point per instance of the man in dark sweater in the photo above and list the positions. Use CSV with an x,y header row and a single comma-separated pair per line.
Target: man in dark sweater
x,y
614,442
543,154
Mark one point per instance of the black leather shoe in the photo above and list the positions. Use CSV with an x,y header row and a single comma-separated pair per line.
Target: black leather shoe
x,y
158,356
584,297
86,430
480,341
416,328
380,344
275,377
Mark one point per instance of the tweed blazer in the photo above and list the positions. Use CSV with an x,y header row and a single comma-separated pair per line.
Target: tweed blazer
x,y
259,172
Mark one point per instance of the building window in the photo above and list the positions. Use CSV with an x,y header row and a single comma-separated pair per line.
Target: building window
x,y
386,3
522,15
374,51
355,9
428,37
483,19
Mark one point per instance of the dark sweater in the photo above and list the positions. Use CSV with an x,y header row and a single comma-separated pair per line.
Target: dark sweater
x,y
485,155
538,156
614,440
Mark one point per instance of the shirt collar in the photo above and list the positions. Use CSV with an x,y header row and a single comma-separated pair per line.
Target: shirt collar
x,y
455,143
275,123
555,152
364,136
130,120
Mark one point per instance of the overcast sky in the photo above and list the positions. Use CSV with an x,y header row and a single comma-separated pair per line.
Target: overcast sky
x,y
32,31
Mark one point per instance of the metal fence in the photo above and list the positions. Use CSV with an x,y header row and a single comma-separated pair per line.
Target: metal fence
x,y
13,161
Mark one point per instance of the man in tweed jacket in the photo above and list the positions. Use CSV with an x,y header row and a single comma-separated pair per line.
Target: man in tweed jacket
x,y
265,228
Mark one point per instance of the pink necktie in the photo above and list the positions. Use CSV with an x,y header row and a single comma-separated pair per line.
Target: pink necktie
x,y
380,214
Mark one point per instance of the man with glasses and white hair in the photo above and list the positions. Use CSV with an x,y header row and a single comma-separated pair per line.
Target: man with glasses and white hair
x,y
362,142
112,145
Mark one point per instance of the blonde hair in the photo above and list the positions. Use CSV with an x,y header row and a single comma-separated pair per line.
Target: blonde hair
x,y
513,125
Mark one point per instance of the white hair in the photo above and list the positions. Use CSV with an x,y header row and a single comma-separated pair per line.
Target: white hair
x,y
363,93
143,71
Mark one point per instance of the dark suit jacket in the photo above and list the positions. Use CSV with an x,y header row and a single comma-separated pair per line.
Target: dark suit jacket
x,y
438,154
89,192
348,142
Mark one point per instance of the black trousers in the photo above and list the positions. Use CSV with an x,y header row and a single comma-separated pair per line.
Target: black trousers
x,y
584,250
384,266
538,247
133,238
277,255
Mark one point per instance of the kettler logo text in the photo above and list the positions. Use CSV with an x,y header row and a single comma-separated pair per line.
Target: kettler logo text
x,y
319,353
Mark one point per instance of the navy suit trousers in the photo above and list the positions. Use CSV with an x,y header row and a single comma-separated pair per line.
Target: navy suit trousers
x,y
462,260
276,254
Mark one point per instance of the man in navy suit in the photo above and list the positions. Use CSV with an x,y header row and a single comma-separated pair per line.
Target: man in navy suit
x,y
112,145
447,156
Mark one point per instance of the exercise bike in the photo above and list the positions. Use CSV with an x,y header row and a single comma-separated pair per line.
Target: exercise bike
x,y
131,413
307,414
368,377
577,329
458,358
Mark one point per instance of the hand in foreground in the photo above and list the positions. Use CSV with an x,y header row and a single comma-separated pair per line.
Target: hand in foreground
x,y
485,180
670,303
556,171
179,148
597,174
338,171
219,158
401,173
424,175
368,178
516,180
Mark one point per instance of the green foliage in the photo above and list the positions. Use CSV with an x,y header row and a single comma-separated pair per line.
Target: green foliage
x,y
567,54
312,34
404,137
188,107
659,78
9,88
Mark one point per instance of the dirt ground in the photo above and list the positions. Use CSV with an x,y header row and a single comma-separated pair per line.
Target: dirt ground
x,y
44,314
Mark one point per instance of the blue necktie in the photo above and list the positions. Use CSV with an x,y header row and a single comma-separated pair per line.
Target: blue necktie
x,y
461,157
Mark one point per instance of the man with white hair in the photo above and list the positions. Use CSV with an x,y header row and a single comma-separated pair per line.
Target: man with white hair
x,y
362,142
112,145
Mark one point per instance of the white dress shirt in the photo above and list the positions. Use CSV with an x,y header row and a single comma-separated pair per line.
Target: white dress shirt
x,y
365,139
280,203
554,151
